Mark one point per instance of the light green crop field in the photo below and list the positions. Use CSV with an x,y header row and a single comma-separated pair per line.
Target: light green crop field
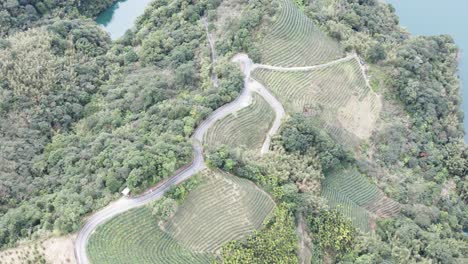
x,y
135,237
336,94
248,127
222,208
356,198
328,87
294,40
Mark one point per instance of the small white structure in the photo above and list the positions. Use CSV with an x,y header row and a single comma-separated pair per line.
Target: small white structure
x,y
126,192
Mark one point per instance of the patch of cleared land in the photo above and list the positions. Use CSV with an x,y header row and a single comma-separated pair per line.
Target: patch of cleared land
x,y
336,94
247,127
56,250
293,39
222,208
305,242
226,13
356,198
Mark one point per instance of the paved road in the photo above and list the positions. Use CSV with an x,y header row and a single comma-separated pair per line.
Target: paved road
x,y
124,204
277,108
245,98
251,85
305,68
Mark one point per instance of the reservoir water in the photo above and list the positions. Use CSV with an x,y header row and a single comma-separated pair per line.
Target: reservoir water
x,y
433,17
121,16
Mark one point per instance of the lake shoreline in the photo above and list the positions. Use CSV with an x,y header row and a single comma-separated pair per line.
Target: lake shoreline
x,y
120,16
432,17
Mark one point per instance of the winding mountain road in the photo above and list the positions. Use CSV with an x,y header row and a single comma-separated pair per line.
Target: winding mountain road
x,y
124,204
198,164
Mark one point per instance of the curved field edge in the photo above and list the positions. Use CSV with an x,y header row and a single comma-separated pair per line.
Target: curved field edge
x,y
247,127
222,208
292,30
336,94
135,237
359,200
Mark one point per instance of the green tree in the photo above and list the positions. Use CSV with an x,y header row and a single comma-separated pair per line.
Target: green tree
x,y
376,53
302,134
335,235
277,242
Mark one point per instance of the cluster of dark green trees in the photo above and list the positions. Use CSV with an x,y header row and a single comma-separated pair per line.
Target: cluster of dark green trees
x,y
48,76
18,15
275,243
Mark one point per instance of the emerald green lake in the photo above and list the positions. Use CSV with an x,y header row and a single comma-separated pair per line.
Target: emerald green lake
x,y
433,17
121,16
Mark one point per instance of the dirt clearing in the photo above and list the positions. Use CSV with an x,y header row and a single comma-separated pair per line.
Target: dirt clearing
x,y
55,250
360,116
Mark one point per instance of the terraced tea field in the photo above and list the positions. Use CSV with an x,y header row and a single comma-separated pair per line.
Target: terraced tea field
x,y
248,127
337,94
221,209
355,197
135,237
294,40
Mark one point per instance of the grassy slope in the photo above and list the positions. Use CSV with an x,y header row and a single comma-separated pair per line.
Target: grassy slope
x,y
135,237
224,208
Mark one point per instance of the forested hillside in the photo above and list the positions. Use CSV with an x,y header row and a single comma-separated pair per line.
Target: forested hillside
x,y
83,117
48,74
415,155
96,116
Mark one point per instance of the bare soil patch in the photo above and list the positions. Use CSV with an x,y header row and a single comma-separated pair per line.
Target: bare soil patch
x,y
305,242
360,116
55,250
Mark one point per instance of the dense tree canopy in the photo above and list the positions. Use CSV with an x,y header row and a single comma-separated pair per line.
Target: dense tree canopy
x,y
275,243
334,234
302,134
428,87
358,25
48,75
96,116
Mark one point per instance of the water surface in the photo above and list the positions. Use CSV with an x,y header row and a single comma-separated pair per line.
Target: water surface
x,y
434,17
121,16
